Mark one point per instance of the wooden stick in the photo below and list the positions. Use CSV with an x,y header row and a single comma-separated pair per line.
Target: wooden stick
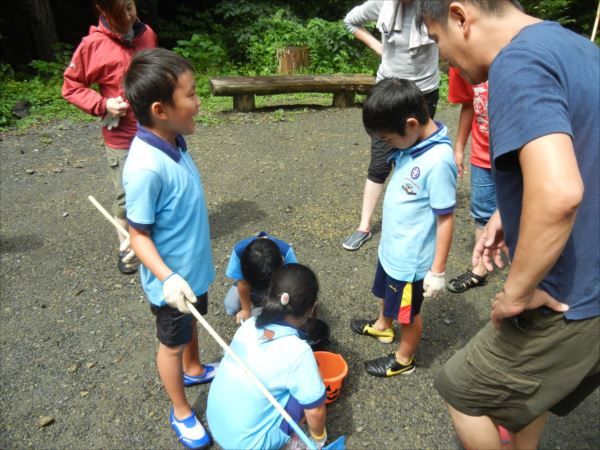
x,y
110,218
595,29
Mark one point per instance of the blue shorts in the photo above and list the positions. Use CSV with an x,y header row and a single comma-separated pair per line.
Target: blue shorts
x,y
402,300
483,195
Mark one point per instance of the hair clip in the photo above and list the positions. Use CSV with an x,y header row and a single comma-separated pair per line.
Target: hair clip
x,y
285,298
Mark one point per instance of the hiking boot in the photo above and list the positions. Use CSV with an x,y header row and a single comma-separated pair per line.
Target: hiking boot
x,y
466,281
210,370
367,328
387,366
190,431
127,267
357,239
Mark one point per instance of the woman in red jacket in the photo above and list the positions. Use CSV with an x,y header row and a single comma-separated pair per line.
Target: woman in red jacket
x,y
102,58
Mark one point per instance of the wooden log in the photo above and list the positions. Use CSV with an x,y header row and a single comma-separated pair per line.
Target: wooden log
x,y
292,59
343,99
358,83
244,103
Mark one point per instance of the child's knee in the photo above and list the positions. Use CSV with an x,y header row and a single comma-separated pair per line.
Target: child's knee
x,y
175,350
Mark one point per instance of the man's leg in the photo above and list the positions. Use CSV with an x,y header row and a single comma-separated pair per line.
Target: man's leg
x,y
529,437
475,432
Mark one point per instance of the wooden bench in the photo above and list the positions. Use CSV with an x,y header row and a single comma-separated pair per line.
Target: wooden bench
x,y
243,89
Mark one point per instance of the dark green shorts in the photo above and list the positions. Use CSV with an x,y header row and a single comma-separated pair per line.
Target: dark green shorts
x,y
535,363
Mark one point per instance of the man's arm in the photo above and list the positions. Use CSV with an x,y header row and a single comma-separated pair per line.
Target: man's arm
x,y
552,192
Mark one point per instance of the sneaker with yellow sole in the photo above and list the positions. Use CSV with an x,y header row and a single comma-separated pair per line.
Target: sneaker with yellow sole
x,y
367,328
388,366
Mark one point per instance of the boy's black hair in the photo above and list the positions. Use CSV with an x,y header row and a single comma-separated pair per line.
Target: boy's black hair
x,y
390,103
152,77
437,10
259,260
302,287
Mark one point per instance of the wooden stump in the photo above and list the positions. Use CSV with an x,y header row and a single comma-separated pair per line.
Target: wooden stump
x,y
343,99
292,59
244,103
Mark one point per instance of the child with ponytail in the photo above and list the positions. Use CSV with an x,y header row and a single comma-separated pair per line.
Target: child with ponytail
x,y
239,416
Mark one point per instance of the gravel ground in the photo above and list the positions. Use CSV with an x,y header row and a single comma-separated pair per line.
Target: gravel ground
x,y
77,338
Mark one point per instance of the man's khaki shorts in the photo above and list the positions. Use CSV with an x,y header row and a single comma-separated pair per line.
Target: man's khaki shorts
x,y
116,161
536,362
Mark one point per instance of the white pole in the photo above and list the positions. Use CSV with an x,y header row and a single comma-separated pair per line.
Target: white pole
x,y
595,29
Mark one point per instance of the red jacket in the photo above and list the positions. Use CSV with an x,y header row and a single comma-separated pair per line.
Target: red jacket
x,y
103,58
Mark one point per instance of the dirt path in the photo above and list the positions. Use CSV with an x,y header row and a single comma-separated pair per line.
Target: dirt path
x,y
77,338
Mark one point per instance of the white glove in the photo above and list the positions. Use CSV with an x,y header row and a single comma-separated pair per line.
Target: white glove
x,y
110,122
434,285
176,291
320,442
130,257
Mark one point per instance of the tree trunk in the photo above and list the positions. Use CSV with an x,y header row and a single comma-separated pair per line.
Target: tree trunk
x,y
41,28
292,59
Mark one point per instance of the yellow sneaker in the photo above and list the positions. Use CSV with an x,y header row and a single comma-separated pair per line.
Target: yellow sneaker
x,y
367,328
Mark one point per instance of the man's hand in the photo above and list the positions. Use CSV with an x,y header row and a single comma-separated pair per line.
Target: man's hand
x,y
434,285
505,306
116,107
491,245
242,316
176,291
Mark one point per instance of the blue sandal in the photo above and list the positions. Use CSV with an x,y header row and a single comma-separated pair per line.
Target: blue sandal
x,y
210,370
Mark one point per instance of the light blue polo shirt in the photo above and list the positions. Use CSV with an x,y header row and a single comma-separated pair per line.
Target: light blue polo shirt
x,y
234,269
423,185
164,196
239,416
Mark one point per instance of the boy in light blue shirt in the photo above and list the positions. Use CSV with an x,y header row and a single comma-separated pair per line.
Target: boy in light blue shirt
x,y
251,265
417,219
168,222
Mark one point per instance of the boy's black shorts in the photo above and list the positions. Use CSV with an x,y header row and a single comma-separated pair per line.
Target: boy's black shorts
x,y
173,328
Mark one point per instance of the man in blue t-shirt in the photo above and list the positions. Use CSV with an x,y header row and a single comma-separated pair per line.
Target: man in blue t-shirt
x,y
541,350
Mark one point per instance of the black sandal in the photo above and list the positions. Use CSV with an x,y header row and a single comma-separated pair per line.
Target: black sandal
x,y
466,281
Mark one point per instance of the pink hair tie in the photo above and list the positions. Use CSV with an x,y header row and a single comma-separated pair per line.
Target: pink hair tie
x,y
285,298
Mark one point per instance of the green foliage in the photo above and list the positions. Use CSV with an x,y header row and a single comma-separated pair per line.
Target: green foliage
x,y
443,87
189,21
42,92
332,48
54,69
203,52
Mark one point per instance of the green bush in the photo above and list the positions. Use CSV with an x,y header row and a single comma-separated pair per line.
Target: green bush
x,y
54,69
204,53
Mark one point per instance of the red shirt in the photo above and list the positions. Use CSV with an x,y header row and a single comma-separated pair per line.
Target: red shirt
x,y
461,91
103,58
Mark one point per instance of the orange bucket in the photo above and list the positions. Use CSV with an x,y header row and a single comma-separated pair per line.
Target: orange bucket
x,y
333,369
